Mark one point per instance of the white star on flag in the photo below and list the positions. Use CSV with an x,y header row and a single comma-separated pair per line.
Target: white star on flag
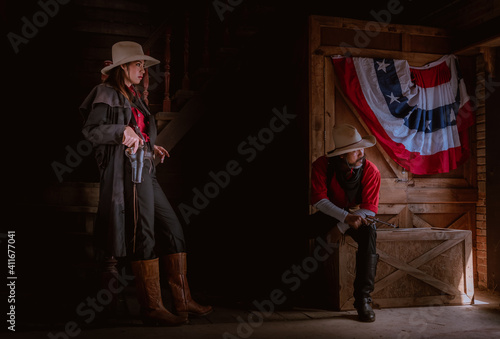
x,y
393,98
382,66
453,116
420,115
428,125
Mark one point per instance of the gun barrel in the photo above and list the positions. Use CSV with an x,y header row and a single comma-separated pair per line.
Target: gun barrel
x,y
372,219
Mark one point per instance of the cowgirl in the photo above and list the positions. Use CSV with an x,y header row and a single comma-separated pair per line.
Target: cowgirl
x,y
136,220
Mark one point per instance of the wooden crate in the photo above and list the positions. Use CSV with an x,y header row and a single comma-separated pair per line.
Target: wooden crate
x,y
417,267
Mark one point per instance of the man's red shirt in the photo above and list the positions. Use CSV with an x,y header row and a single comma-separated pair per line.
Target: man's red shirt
x,y
370,184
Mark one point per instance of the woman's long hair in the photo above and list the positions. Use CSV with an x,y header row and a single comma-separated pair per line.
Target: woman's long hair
x,y
116,79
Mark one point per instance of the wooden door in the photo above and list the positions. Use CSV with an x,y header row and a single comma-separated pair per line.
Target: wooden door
x,y
445,200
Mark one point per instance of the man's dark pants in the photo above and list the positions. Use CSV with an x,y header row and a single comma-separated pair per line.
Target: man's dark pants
x,y
366,257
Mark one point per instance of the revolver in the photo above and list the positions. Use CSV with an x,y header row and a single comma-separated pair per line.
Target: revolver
x,y
137,162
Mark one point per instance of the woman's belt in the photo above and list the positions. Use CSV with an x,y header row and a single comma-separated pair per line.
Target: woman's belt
x,y
149,155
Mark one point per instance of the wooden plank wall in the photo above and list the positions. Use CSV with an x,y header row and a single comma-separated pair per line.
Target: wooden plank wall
x,y
445,200
98,25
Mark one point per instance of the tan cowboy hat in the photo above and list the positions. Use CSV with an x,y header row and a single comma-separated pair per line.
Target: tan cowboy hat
x,y
347,139
127,51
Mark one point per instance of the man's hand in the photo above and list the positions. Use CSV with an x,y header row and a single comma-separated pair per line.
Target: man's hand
x,y
161,152
131,139
355,221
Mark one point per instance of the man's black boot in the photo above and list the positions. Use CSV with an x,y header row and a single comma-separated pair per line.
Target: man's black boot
x,y
365,311
366,268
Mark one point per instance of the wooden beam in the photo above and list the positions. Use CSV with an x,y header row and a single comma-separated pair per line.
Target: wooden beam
x,y
434,300
112,28
420,223
317,114
179,126
489,57
442,208
125,6
468,267
441,195
486,34
405,218
460,222
411,234
440,182
355,24
414,59
390,208
330,98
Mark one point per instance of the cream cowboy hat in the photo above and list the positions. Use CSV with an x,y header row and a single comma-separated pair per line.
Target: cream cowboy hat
x,y
347,139
127,51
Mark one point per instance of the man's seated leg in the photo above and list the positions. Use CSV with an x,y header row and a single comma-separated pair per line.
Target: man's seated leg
x,y
366,267
322,225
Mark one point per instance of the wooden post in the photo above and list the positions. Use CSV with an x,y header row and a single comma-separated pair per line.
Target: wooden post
x,y
166,99
185,80
145,84
106,64
206,42
489,60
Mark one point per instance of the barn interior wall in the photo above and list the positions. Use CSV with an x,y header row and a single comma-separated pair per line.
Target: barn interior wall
x,y
459,195
250,234
493,179
243,240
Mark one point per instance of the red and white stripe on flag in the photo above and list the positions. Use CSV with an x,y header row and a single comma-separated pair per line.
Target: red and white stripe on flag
x,y
420,115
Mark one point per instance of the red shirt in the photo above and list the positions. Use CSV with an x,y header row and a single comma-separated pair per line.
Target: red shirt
x,y
370,184
139,117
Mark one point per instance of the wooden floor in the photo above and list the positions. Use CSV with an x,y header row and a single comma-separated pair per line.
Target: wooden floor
x,y
481,320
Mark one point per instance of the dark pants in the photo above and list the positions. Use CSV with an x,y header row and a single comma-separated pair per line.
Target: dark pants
x,y
158,231
365,236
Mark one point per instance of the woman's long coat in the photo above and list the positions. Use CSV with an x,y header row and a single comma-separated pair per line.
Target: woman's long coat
x,y
107,113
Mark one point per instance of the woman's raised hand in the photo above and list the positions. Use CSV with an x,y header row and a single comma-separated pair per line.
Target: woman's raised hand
x,y
161,152
131,139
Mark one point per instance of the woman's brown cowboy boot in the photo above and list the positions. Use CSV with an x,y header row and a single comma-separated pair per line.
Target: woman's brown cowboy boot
x,y
147,281
176,269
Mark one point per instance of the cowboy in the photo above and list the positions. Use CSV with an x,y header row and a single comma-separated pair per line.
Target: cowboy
x,y
345,190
